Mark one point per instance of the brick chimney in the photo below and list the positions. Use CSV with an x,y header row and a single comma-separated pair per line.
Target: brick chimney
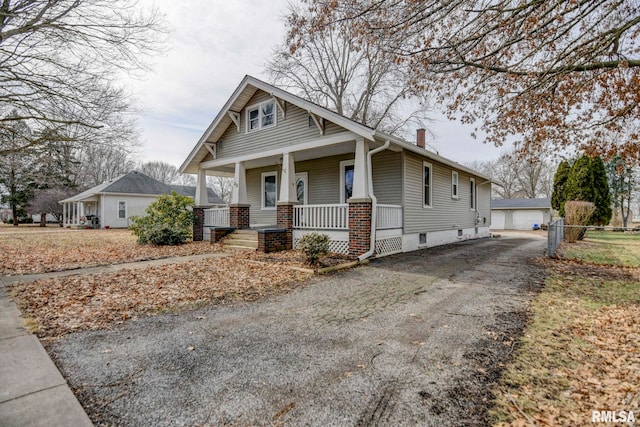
x,y
420,137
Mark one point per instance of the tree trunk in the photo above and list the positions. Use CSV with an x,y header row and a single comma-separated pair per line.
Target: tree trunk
x,y
14,212
43,219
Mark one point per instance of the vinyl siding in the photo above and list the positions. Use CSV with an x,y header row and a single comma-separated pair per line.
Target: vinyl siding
x,y
136,205
294,129
324,182
446,213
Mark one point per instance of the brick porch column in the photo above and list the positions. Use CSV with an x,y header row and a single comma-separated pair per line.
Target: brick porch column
x,y
198,223
285,221
239,216
359,226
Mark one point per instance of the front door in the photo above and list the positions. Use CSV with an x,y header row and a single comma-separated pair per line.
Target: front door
x,y
302,189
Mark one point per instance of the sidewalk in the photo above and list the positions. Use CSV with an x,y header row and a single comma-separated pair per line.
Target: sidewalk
x,y
32,390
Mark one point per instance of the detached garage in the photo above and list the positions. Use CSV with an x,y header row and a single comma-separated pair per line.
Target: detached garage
x,y
519,214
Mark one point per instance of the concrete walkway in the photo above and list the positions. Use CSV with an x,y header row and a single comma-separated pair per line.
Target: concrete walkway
x,y
32,390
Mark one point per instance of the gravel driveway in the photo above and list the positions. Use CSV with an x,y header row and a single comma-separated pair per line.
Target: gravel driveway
x,y
411,339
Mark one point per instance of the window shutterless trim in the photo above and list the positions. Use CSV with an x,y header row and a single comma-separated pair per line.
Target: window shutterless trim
x,y
262,191
259,108
455,187
427,165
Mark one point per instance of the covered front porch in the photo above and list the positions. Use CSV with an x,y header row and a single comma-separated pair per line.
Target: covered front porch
x,y
80,213
288,199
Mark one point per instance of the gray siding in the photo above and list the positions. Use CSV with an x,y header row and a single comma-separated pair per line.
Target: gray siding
x,y
324,182
293,129
446,213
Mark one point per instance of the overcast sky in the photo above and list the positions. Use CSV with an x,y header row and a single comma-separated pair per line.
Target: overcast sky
x,y
212,45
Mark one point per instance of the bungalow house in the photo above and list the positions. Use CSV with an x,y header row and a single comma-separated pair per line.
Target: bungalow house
x,y
520,214
112,203
300,168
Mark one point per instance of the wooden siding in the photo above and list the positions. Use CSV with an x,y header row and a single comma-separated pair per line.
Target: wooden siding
x,y
446,213
292,130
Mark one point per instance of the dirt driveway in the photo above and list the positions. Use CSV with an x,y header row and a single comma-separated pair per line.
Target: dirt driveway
x,y
412,339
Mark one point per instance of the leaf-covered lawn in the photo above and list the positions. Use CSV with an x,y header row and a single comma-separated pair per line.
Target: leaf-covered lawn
x,y
62,305
29,250
607,248
581,350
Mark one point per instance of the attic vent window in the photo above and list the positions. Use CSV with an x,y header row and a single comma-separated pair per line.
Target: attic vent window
x,y
261,116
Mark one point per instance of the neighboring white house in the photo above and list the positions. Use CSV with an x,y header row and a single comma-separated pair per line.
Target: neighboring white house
x,y
112,203
299,168
520,214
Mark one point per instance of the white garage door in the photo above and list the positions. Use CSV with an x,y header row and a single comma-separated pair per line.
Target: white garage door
x,y
524,220
497,220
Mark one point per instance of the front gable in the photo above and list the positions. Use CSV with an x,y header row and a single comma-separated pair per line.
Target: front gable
x,y
244,126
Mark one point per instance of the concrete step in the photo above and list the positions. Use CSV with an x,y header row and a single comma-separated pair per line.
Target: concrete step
x,y
240,248
241,242
246,232
234,236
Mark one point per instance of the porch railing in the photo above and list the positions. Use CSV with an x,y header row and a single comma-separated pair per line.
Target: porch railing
x,y
388,216
325,217
218,217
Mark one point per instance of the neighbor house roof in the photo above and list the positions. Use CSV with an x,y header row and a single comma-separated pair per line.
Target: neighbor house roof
x,y
521,203
137,183
250,85
190,191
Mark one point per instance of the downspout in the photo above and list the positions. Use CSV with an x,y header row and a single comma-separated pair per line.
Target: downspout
x,y
374,201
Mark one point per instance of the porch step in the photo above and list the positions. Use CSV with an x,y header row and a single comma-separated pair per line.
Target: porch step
x,y
242,239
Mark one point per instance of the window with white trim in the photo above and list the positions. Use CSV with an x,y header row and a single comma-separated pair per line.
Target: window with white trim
x,y
427,180
472,194
122,209
269,190
346,180
454,184
261,116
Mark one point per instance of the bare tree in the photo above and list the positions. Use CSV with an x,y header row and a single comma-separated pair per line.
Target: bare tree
x,y
555,71
46,202
60,61
360,83
100,163
185,179
222,186
161,171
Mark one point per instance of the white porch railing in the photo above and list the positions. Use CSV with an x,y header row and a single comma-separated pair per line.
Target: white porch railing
x,y
388,216
325,217
218,217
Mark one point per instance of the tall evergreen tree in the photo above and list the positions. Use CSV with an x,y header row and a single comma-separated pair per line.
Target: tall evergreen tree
x,y
587,182
558,198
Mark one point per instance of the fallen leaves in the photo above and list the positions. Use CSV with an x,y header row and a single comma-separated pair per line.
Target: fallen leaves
x,y
38,252
98,301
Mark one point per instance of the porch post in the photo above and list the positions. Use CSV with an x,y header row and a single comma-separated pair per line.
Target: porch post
x,y
288,198
360,188
360,203
201,197
64,214
239,207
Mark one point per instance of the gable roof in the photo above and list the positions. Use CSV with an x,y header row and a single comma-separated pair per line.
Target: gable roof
x,y
135,182
250,85
239,99
542,203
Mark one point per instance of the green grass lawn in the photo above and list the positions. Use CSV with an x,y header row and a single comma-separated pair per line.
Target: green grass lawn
x,y
582,342
606,247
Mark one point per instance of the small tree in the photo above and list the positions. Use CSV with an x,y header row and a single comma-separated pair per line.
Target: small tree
x,y
587,182
314,245
169,221
577,214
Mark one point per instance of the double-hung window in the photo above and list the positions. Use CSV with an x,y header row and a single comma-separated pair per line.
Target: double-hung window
x,y
269,190
122,209
454,185
427,180
261,116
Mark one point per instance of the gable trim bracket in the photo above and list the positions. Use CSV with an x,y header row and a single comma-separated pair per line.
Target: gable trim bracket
x,y
235,118
319,121
212,147
282,105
